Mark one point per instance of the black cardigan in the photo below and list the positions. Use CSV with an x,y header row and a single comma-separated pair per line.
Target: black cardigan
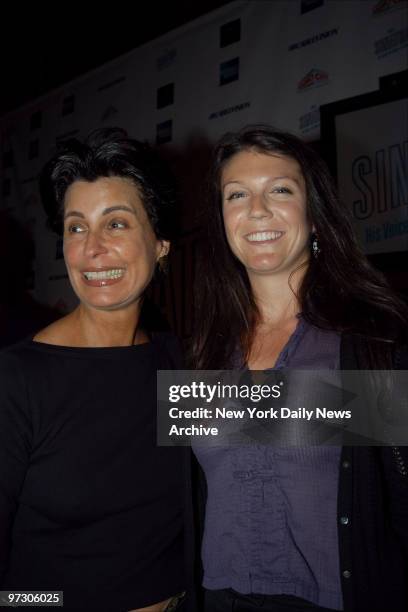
x,y
372,512
373,494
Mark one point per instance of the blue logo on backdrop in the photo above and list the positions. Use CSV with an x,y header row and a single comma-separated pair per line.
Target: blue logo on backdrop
x,y
310,121
229,71
391,43
164,132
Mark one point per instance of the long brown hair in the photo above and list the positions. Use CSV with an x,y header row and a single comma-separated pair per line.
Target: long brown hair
x,y
340,289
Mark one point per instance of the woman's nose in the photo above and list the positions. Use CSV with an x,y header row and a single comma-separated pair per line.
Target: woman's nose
x,y
95,244
259,207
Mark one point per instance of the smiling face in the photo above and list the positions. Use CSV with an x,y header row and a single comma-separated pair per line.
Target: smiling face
x,y
264,212
110,247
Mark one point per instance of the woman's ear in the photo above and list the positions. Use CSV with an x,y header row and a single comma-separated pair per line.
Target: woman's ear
x,y
164,249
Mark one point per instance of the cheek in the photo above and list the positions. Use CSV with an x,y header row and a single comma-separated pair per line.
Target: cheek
x,y
71,252
231,223
141,251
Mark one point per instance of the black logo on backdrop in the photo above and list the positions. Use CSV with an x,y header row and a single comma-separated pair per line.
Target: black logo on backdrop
x,y
165,95
230,33
309,5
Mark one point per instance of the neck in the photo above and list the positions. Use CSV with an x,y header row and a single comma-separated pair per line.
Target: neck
x,y
99,328
276,296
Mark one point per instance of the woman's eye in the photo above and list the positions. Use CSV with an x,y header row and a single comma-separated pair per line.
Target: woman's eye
x,y
236,194
75,228
279,189
117,224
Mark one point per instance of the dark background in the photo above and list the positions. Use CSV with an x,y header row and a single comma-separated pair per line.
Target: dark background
x,y
43,49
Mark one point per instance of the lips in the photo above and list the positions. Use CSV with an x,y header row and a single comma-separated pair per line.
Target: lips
x,y
264,236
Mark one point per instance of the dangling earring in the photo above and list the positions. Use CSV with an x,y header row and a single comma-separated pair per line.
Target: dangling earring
x,y
162,263
315,246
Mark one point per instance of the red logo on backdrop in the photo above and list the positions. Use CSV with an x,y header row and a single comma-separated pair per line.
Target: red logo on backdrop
x,y
313,78
386,5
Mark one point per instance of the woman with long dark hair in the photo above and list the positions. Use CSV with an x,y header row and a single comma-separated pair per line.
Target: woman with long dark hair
x,y
284,284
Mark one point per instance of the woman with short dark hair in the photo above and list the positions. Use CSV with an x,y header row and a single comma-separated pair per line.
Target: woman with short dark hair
x,y
89,505
284,284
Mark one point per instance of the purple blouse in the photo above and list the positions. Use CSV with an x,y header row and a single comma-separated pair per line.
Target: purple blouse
x,y
271,515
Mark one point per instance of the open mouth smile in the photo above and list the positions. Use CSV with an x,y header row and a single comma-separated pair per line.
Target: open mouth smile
x,y
264,236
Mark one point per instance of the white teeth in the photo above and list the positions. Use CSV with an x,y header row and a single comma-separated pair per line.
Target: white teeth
x,y
104,274
261,236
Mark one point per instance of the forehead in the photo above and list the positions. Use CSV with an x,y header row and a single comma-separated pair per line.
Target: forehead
x,y
253,163
104,191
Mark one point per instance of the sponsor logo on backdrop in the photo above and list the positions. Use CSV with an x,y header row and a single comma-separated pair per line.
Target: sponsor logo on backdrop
x,y
314,78
309,5
165,96
230,109
164,132
393,42
110,112
229,71
385,6
310,121
381,179
230,33
166,59
313,39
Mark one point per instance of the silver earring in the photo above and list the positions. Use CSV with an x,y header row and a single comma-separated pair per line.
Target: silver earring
x,y
315,247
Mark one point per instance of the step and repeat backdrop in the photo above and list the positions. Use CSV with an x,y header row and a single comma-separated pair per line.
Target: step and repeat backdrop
x,y
274,61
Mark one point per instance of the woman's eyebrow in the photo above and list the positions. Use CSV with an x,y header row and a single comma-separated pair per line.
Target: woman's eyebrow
x,y
118,207
106,211
274,178
74,213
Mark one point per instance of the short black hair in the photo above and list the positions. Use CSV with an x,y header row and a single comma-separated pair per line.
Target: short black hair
x,y
110,152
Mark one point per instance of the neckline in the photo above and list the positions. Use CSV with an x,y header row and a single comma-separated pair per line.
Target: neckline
x,y
92,351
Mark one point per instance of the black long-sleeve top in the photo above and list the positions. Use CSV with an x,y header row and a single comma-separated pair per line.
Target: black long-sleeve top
x,y
88,503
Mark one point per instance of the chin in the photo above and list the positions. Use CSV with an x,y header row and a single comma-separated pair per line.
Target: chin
x,y
264,265
109,304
